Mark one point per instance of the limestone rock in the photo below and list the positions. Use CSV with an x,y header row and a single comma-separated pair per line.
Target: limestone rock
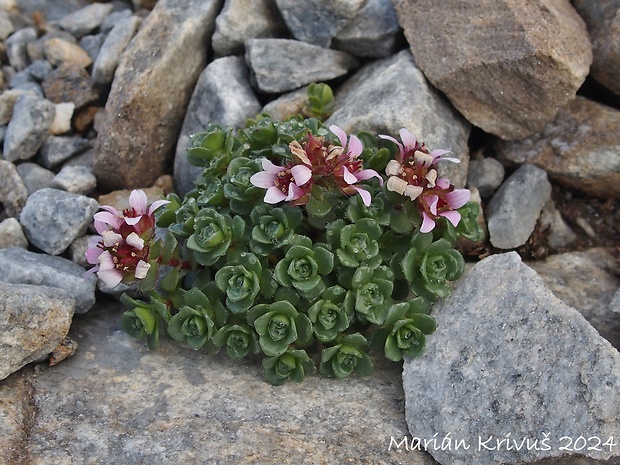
x,y
496,60
222,96
515,208
28,128
86,19
318,21
58,52
510,358
486,174
391,94
11,234
52,218
33,321
279,65
115,43
13,192
580,148
152,87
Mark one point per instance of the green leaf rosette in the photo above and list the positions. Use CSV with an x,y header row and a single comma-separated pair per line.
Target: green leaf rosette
x,y
142,321
328,314
239,339
241,283
212,150
213,235
357,243
292,364
378,210
242,194
346,357
278,325
404,332
274,227
210,192
371,293
183,225
428,266
302,268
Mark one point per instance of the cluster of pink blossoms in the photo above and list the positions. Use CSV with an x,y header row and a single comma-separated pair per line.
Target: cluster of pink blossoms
x,y
316,161
414,174
121,252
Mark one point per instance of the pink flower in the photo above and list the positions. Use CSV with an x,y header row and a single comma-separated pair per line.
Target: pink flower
x,y
410,146
282,182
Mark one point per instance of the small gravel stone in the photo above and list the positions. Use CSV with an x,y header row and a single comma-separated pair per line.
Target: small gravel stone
x,y
13,192
57,149
52,218
7,103
21,79
6,25
559,233
70,83
28,128
12,234
16,47
486,174
92,44
62,119
39,69
77,250
59,51
76,179
112,19
34,176
86,19
113,47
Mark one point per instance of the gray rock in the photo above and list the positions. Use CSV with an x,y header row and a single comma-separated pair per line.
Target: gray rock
x,y
13,192
57,149
91,44
51,10
279,65
86,19
155,77
110,21
557,232
62,118
52,218
70,83
28,128
287,105
511,361
34,176
6,25
77,251
112,48
12,234
515,208
33,321
31,87
39,69
22,79
580,148
614,305
59,51
84,159
7,103
76,179
222,96
16,47
587,281
318,21
486,174
241,20
371,33
391,94
503,72
603,20
80,412
20,266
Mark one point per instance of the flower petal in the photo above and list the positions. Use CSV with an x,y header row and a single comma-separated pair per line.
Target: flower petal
x,y
100,226
111,209
135,241
408,138
437,156
274,195
138,201
111,278
270,167
111,238
131,220
442,183
349,178
428,224
92,255
301,174
391,139
342,136
142,268
264,179
107,218
364,194
294,192
106,262
458,197
453,217
368,174
431,201
157,204
355,147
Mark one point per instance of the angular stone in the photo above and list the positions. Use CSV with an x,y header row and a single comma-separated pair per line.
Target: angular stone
x,y
92,44
52,218
509,357
57,149
486,174
319,421
287,105
12,234
222,96
317,21
363,104
19,266
62,118
13,192
7,103
603,20
35,177
39,69
279,65
77,251
241,20
503,71
515,208
86,19
116,16
28,128
76,179
33,321
136,142
557,232
70,83
580,148
59,52
6,25
371,33
112,48
16,47
614,305
587,281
